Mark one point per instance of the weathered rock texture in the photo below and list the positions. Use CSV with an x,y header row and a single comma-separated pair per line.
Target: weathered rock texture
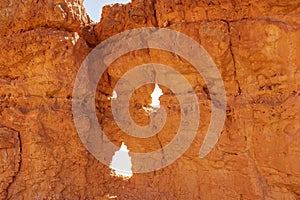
x,y
255,47
10,158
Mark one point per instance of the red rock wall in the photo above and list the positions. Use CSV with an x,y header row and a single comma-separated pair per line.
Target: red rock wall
x,y
255,47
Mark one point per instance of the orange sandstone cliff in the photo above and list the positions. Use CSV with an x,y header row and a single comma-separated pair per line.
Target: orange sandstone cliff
x,y
254,44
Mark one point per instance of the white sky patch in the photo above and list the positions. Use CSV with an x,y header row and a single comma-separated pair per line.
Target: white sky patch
x,y
155,103
157,92
121,163
94,7
114,96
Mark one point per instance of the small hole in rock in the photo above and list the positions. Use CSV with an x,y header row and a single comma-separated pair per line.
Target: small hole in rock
x,y
121,163
155,104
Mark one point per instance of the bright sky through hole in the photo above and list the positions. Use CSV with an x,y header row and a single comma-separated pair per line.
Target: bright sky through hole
x,y
157,92
121,163
155,104
94,7
114,96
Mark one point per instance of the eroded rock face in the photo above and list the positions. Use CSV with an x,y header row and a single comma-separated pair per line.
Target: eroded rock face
x,y
254,45
10,158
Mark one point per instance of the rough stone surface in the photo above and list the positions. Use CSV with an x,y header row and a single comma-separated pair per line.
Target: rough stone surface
x,y
255,47
10,154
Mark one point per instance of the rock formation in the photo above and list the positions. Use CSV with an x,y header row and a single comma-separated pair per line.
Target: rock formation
x,y
255,47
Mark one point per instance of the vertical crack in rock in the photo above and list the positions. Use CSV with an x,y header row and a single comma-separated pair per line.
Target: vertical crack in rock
x,y
233,57
260,182
162,150
154,13
10,158
157,137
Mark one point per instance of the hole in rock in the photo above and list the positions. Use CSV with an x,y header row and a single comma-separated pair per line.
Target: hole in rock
x,y
155,104
94,8
121,163
157,92
113,96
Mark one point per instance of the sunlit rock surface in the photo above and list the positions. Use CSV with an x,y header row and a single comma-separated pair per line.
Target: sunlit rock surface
x,y
255,47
